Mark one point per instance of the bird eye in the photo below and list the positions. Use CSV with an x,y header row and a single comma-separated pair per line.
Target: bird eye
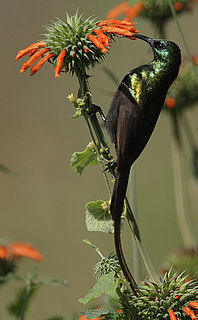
x,y
159,45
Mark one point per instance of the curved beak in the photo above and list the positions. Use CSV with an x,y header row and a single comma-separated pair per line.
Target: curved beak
x,y
144,38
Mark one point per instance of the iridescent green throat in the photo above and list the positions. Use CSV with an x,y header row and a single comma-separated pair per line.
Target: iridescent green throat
x,y
146,79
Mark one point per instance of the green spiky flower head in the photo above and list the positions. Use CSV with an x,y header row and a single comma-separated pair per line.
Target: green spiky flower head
x,y
159,12
184,90
75,44
72,35
107,265
155,301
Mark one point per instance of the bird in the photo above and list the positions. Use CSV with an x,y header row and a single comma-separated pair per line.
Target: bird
x,y
131,119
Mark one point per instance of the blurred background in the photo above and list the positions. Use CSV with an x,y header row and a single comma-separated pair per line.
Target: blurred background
x,y
44,203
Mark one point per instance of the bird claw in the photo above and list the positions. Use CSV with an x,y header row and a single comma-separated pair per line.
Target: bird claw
x,y
98,109
111,166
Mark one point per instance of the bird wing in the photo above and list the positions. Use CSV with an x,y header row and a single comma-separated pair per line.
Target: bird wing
x,y
133,132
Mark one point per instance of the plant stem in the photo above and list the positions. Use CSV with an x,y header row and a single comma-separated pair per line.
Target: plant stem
x,y
132,197
188,54
183,221
92,121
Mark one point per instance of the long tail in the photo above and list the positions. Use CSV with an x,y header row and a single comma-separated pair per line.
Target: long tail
x,y
117,202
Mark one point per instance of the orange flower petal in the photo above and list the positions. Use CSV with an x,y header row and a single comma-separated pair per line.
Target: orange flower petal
x,y
38,66
25,51
178,6
3,252
83,317
129,28
120,8
193,304
102,37
135,10
59,63
187,279
119,311
195,60
119,31
31,61
190,313
172,314
97,43
26,250
170,102
32,52
110,22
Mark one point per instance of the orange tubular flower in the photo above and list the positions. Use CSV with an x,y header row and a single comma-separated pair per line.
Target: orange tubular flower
x,y
29,49
59,63
32,52
16,250
178,6
83,317
193,304
117,30
111,22
195,60
97,43
33,58
123,7
23,250
78,51
172,314
38,66
3,252
102,37
170,102
135,10
190,313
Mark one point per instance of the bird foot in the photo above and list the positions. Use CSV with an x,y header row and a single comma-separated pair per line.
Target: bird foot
x,y
111,166
98,109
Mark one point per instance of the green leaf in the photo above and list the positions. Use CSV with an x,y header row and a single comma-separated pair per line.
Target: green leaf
x,y
98,218
18,307
80,160
96,313
4,169
105,285
77,114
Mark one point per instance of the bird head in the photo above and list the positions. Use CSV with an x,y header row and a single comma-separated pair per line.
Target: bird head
x,y
163,50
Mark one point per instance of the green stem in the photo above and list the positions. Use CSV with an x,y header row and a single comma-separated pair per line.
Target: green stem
x,y
138,247
180,195
24,306
188,54
124,300
92,121
145,257
188,131
132,197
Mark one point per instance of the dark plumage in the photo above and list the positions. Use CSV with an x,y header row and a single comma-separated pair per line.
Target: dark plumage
x,y
131,119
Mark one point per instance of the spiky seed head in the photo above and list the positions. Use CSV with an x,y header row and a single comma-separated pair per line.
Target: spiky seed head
x,y
72,35
107,265
159,11
154,300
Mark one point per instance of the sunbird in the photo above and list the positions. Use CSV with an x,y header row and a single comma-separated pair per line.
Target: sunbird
x,y
131,119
